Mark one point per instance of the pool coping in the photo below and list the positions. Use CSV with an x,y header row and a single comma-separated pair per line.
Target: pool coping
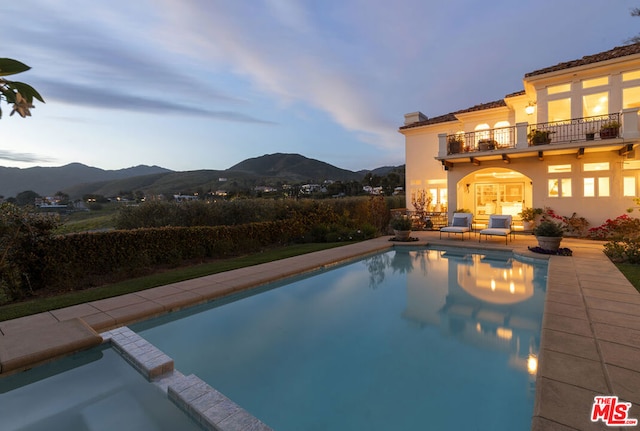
x,y
590,341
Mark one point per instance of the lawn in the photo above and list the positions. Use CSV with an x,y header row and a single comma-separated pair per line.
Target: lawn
x,y
632,272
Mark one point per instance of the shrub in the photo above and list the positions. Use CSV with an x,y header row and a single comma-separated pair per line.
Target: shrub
x,y
621,227
23,236
548,228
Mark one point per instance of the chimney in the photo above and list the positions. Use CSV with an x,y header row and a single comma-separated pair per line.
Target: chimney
x,y
414,117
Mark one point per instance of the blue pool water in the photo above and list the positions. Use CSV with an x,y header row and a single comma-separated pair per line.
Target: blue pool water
x,y
95,390
404,340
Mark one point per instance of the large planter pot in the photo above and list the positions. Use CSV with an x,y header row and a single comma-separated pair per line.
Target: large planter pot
x,y
528,225
609,132
402,235
550,243
455,147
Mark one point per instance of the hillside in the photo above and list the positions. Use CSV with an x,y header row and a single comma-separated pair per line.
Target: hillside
x,y
46,181
78,180
294,167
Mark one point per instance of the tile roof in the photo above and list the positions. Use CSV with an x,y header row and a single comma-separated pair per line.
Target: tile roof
x,y
452,116
617,52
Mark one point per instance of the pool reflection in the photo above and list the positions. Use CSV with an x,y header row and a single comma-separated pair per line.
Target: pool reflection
x,y
491,301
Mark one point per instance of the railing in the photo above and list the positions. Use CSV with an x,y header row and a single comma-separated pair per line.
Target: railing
x,y
482,140
577,129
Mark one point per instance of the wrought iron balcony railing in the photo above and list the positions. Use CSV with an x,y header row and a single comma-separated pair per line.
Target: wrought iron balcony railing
x,y
576,129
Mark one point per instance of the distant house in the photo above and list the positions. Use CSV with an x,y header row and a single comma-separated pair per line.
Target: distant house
x,y
545,146
185,198
307,189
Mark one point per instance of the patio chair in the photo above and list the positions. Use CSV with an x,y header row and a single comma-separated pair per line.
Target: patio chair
x,y
499,225
461,223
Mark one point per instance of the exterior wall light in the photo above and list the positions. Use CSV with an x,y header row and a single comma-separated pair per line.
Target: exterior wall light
x,y
530,108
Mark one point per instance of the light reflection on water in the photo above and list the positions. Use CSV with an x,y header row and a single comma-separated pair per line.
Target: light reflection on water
x,y
393,341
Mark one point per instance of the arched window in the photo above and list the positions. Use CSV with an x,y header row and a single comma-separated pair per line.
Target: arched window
x,y
502,133
482,132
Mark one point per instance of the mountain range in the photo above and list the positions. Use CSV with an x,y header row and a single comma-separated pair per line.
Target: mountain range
x,y
77,179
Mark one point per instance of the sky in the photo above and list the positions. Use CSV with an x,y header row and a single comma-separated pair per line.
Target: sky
x,y
206,84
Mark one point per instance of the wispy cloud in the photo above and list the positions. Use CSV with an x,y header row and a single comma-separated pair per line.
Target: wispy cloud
x,y
24,157
111,98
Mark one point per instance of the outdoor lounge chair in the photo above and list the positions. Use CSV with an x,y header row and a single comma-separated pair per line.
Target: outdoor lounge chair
x,y
498,225
461,223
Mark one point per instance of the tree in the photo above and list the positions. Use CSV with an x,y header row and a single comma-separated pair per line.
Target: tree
x,y
635,39
17,93
28,197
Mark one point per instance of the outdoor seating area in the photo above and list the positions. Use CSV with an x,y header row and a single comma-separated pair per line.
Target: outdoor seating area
x,y
499,225
461,223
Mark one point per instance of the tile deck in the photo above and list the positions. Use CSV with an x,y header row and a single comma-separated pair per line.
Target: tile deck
x,y
590,343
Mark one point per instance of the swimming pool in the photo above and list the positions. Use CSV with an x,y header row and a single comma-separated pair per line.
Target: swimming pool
x,y
95,390
407,339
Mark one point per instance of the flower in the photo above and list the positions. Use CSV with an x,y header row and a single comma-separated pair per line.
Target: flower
x,y
21,106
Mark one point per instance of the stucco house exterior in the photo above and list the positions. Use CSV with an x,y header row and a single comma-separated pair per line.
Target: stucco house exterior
x,y
484,158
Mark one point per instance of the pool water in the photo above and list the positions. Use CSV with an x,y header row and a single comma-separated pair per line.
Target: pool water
x,y
403,340
95,390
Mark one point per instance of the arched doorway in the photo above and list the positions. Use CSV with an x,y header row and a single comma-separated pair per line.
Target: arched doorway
x,y
494,191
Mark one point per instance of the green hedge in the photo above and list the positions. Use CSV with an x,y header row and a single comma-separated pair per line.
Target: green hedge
x,y
32,259
83,260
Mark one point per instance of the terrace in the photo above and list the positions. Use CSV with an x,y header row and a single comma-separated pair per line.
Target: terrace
x,y
578,135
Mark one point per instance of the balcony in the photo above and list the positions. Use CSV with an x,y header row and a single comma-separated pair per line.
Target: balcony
x,y
576,135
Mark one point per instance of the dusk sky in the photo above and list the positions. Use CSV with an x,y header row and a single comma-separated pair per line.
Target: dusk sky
x,y
205,84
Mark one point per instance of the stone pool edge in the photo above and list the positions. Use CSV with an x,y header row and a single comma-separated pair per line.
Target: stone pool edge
x,y
206,406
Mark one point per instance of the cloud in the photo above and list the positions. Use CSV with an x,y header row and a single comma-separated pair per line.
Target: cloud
x,y
24,157
292,56
111,98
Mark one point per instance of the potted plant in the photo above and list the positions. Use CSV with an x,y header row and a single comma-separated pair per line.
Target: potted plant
x,y
455,144
487,144
528,216
401,227
539,137
609,130
549,235
590,135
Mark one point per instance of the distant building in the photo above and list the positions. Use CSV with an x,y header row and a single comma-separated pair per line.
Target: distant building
x,y
185,198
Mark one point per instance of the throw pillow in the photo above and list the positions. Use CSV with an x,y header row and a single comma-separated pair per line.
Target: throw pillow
x,y
498,223
460,222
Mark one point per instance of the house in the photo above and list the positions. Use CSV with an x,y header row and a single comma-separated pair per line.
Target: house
x,y
544,146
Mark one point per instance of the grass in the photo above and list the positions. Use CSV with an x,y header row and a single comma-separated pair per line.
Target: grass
x,y
39,305
632,272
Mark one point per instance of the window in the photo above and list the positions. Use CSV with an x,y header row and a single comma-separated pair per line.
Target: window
x,y
482,132
559,187
559,110
595,104
565,187
601,166
596,82
629,186
630,76
502,133
590,187
631,97
562,88
603,186
555,169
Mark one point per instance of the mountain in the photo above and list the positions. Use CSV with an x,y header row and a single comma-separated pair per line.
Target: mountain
x,y
294,167
46,181
271,169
